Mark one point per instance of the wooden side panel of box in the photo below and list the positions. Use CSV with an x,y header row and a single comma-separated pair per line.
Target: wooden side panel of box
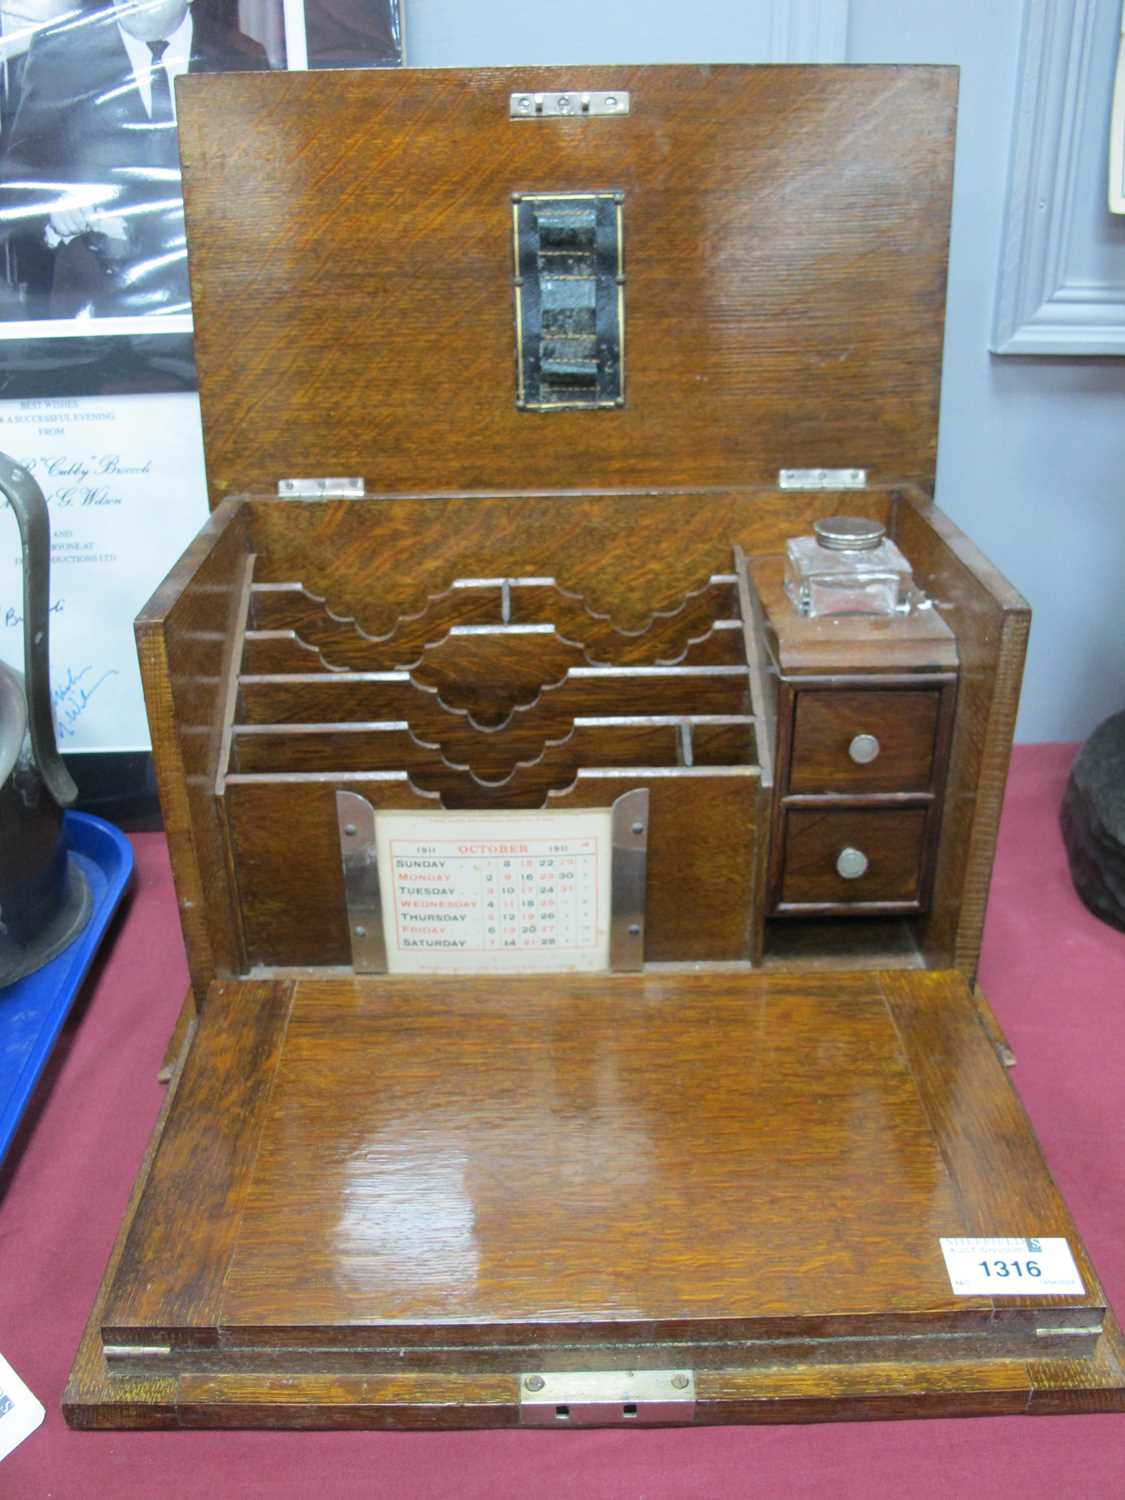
x,y
991,621
187,640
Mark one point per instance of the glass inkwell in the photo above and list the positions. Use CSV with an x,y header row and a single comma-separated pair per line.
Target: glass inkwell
x,y
849,567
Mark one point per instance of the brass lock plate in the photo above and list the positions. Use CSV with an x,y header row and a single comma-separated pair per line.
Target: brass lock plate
x,y
607,1398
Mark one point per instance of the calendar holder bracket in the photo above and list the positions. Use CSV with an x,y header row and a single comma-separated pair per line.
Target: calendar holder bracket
x,y
355,823
628,881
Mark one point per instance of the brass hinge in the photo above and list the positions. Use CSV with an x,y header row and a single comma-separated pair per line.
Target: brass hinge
x,y
320,489
568,104
822,479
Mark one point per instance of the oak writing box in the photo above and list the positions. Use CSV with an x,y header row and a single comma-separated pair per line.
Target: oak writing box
x,y
583,943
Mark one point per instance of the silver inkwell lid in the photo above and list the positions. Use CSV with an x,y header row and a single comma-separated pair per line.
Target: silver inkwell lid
x,y
849,533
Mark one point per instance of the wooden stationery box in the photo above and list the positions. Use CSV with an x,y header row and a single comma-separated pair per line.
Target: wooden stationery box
x,y
687,1138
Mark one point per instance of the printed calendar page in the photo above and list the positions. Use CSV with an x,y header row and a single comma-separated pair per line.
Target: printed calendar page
x,y
507,892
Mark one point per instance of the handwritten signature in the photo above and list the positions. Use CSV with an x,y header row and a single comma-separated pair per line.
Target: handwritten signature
x,y
74,696
12,617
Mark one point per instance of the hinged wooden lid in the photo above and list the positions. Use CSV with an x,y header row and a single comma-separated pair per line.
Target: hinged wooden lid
x,y
785,241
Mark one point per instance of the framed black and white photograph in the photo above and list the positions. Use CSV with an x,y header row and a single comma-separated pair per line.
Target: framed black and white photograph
x,y
97,372
93,273
91,211
91,214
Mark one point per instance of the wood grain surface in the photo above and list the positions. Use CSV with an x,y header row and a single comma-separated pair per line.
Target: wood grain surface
x,y
291,883
577,1150
666,637
388,1242
842,676
921,641
189,649
700,896
703,901
606,744
853,1390
493,749
991,621
654,1089
893,839
631,556
825,724
188,1217
940,1036
785,234
625,553
267,749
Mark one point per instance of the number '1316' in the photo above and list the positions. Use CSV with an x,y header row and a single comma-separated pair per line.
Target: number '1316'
x,y
1003,1268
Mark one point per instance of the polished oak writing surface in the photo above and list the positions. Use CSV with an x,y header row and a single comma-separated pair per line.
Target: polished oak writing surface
x,y
428,1179
511,1153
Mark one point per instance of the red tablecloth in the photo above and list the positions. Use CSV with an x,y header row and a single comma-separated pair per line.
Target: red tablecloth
x,y
1056,978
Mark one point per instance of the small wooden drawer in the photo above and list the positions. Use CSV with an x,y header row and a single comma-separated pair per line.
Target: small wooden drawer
x,y
845,857
867,740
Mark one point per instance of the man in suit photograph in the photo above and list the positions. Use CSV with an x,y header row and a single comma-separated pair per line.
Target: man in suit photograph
x,y
90,198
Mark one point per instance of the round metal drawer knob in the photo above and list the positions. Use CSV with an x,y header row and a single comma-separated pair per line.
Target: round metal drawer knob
x,y
851,863
863,749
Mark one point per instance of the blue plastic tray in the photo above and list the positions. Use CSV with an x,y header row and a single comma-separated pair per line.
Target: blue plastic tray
x,y
33,1009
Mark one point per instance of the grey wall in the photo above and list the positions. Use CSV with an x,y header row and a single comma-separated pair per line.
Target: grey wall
x,y
476,33
1031,458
